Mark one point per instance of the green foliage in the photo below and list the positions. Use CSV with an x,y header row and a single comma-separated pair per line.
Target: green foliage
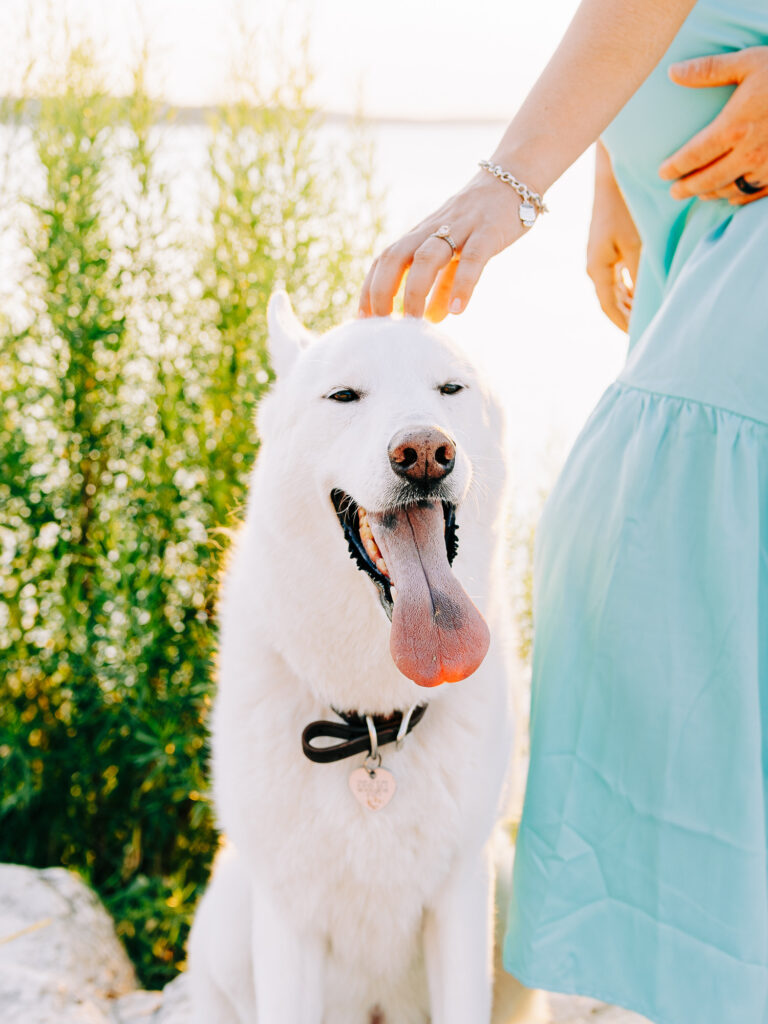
x,y
524,596
130,371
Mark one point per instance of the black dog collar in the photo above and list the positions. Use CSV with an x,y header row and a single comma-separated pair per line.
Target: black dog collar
x,y
354,732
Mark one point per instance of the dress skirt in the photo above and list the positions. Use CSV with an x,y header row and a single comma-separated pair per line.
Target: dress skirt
x,y
641,873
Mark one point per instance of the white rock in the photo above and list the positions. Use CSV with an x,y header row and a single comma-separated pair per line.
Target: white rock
x,y
28,996
177,1007
171,1006
137,1008
61,961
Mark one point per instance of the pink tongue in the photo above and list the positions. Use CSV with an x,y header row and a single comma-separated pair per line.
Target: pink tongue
x,y
438,635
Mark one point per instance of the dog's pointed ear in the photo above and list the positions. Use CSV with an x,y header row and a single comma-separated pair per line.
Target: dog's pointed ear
x,y
287,336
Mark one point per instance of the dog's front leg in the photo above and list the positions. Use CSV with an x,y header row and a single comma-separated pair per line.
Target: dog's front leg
x,y
288,967
458,942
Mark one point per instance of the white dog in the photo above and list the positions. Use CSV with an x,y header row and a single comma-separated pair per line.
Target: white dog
x,y
359,889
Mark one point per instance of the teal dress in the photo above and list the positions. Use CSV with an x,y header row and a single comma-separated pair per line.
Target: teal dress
x,y
641,874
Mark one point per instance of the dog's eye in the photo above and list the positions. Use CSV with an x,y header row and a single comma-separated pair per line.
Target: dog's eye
x,y
344,395
450,389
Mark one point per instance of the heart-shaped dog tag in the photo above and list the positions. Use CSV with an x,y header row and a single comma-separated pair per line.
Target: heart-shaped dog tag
x,y
372,789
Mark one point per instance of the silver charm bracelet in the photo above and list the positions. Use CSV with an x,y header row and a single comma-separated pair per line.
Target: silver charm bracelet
x,y
532,204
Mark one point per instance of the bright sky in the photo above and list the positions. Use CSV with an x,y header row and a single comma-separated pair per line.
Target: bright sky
x,y
402,58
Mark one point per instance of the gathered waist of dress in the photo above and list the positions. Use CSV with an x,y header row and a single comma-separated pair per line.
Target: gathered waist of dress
x,y
708,341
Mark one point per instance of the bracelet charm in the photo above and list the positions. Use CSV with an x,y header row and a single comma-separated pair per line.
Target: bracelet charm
x,y
527,213
532,204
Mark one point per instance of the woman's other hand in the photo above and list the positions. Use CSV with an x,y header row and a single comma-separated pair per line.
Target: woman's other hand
x,y
735,144
483,219
613,249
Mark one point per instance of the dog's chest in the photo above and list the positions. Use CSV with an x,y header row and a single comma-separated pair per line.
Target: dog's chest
x,y
398,849
360,878
333,859
363,878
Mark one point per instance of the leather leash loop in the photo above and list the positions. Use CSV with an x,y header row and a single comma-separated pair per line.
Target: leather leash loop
x,y
353,731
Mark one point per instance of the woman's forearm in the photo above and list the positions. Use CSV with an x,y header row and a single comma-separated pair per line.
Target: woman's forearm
x,y
608,51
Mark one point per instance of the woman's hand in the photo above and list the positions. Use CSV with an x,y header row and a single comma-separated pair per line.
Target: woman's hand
x,y
483,219
613,249
608,50
735,144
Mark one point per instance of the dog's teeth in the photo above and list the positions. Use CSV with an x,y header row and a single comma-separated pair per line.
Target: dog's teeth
x,y
364,525
393,593
369,542
372,548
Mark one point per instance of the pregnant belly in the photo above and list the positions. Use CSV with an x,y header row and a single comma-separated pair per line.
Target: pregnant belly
x,y
661,116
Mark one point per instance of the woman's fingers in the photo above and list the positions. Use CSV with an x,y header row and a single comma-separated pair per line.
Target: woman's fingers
x,y
613,247
624,305
474,256
385,276
437,306
735,144
630,258
718,175
734,195
364,308
713,69
705,148
711,142
482,219
738,198
603,274
430,265
419,255
428,260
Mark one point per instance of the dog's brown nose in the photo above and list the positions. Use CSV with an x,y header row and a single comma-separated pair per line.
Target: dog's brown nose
x,y
422,454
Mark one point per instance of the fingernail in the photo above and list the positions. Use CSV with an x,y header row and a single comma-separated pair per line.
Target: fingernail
x,y
361,311
455,306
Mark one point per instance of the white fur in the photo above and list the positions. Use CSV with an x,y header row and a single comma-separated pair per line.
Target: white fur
x,y
323,910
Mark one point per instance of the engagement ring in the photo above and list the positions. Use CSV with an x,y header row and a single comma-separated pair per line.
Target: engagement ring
x,y
444,232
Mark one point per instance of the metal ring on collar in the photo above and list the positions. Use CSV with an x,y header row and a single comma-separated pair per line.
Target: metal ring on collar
x,y
748,189
444,232
405,725
372,735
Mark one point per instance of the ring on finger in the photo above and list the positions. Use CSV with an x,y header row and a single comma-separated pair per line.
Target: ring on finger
x,y
444,232
747,187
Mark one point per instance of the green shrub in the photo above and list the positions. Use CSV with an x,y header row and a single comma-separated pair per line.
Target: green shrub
x,y
131,360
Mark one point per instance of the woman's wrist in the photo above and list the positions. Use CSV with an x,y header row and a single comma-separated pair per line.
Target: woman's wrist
x,y
531,204
506,200
528,165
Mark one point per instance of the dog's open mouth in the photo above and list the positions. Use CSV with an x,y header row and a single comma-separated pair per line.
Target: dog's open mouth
x,y
438,635
365,551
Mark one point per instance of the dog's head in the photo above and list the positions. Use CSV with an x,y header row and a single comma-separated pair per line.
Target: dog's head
x,y
392,429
